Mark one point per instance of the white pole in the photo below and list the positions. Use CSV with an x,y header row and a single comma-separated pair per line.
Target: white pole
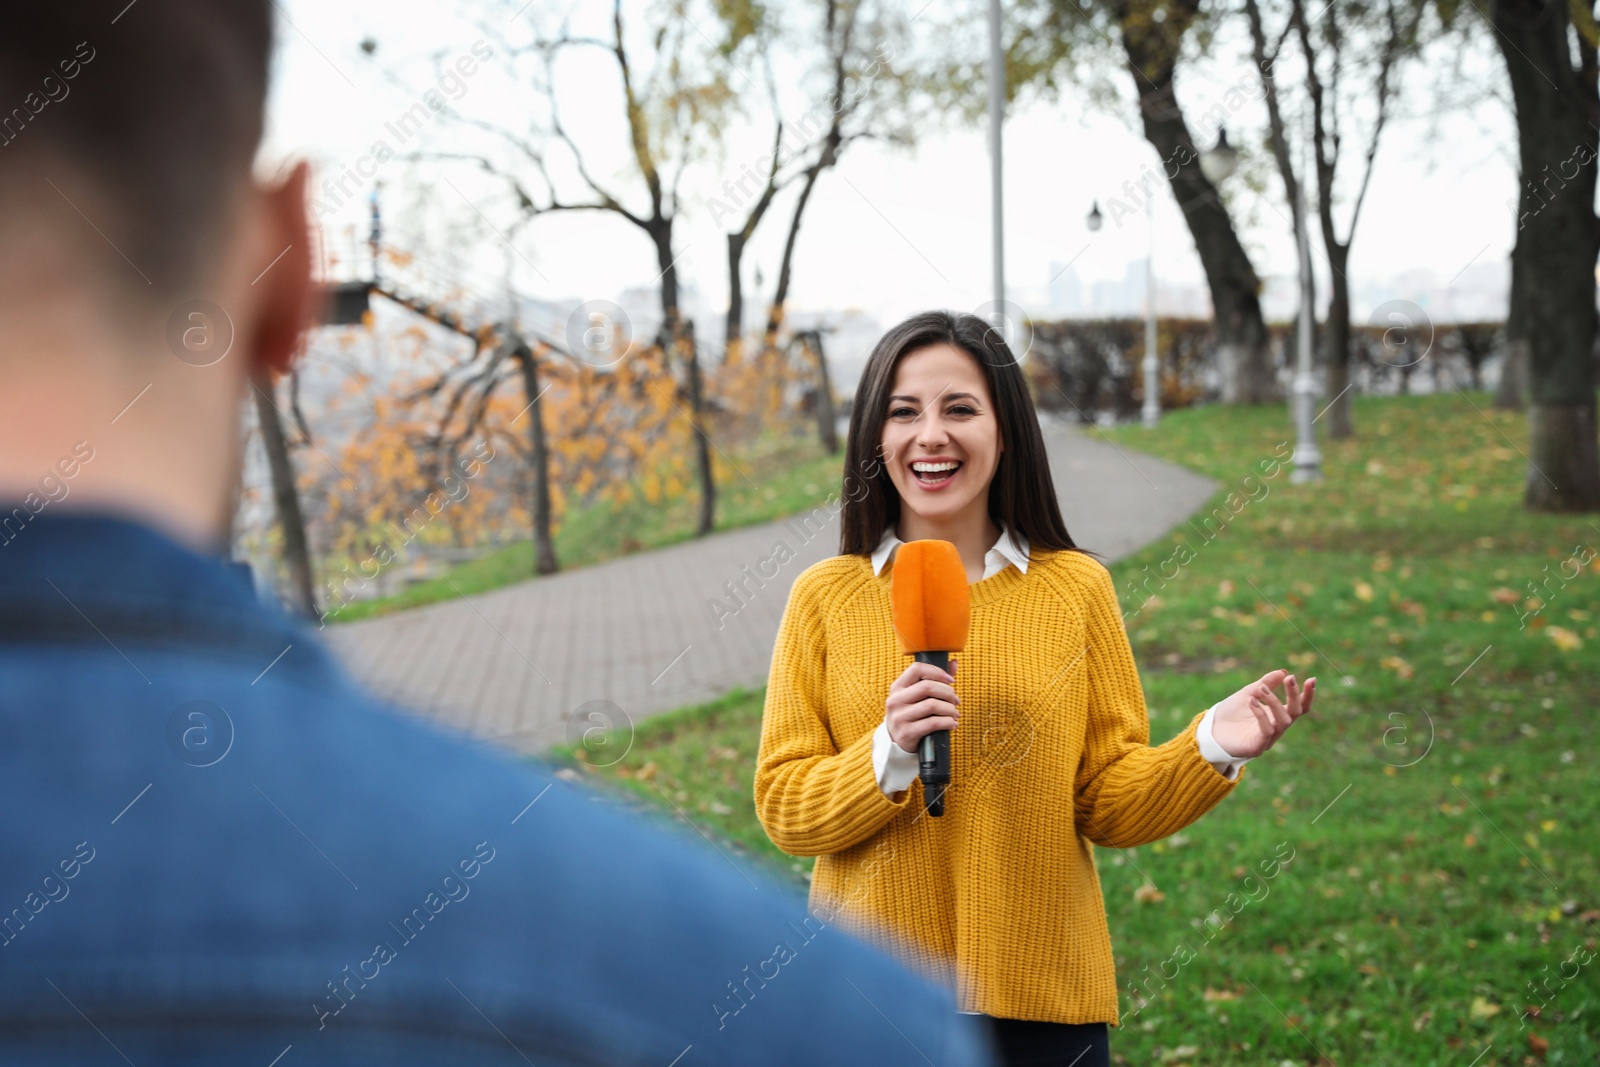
x,y
1152,362
997,109
1307,457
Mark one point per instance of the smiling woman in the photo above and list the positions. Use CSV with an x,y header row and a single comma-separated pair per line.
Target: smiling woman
x,y
999,897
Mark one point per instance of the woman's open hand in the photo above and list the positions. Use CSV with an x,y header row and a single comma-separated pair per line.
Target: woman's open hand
x,y
921,701
1250,721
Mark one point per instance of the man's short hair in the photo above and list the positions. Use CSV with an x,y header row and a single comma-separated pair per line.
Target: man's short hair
x,y
153,109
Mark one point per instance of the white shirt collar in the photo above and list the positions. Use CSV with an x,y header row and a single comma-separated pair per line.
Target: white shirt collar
x,y
1011,549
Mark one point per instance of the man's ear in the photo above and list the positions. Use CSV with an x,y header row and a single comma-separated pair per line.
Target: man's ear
x,y
289,301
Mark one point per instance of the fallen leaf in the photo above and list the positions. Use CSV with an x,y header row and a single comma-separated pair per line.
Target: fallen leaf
x,y
1148,894
1564,638
1503,595
1483,1009
1398,665
1363,590
1538,1045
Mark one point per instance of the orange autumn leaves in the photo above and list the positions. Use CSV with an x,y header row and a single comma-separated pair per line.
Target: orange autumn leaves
x,y
614,434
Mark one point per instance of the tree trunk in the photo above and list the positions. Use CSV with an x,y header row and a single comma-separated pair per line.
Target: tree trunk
x,y
680,346
702,440
733,327
780,292
827,421
1553,262
296,554
1512,392
1242,341
544,546
1564,472
1340,424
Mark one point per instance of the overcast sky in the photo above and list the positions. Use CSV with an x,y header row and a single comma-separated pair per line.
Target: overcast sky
x,y
886,231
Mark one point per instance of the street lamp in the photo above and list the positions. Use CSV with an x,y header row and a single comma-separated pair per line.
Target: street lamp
x,y
1219,162
1307,456
1150,412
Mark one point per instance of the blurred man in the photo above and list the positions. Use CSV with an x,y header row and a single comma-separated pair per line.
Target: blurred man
x,y
215,848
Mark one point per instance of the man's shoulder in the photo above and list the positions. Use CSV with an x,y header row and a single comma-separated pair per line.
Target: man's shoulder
x,y
358,865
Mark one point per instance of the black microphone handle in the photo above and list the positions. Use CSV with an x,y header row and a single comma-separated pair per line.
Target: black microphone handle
x,y
934,749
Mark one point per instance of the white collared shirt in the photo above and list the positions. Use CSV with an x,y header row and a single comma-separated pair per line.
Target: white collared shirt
x,y
1010,550
896,768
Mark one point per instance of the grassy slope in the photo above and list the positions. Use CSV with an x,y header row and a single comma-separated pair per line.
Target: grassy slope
x,y
1440,804
773,480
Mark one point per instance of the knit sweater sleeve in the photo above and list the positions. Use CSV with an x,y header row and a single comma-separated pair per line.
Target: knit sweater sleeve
x,y
1129,793
812,796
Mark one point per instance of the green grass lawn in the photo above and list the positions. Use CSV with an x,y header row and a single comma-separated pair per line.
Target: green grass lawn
x,y
1440,805
775,478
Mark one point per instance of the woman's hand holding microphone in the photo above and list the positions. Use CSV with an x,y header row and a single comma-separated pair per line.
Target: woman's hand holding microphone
x,y
921,701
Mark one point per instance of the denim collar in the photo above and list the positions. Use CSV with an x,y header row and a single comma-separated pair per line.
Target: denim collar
x,y
97,576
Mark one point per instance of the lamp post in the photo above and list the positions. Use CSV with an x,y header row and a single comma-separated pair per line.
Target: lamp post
x,y
997,114
1307,456
1150,412
1216,164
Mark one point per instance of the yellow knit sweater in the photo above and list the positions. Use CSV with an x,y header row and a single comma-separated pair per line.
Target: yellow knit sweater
x,y
998,898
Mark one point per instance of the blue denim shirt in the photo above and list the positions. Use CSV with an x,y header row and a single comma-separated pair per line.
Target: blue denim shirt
x,y
215,848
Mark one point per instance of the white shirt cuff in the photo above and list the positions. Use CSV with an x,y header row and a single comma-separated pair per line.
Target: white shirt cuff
x,y
1226,764
895,767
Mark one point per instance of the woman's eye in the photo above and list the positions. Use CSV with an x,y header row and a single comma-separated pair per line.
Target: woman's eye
x,y
959,408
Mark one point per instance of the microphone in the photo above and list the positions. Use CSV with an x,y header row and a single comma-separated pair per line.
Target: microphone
x,y
932,614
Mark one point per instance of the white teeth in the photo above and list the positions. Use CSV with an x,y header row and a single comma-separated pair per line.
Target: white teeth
x,y
934,467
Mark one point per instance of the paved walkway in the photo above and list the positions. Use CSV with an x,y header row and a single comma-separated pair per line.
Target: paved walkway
x,y
522,665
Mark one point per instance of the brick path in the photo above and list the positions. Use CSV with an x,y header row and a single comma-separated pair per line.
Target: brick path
x,y
519,665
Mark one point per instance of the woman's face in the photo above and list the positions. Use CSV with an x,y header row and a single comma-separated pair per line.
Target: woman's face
x,y
940,414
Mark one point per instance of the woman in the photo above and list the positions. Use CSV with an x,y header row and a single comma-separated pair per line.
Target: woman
x,y
1049,736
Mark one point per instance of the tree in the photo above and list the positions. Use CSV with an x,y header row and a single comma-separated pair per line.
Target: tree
x,y
1061,43
1549,51
877,107
855,94
296,553
667,111
1152,46
499,343
1330,101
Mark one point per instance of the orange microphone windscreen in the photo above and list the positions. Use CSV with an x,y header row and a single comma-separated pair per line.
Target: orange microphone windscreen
x,y
928,590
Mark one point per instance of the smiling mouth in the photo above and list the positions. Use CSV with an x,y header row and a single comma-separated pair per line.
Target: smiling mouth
x,y
934,473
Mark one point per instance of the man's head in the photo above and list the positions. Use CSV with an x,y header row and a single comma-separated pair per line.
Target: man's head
x,y
128,133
